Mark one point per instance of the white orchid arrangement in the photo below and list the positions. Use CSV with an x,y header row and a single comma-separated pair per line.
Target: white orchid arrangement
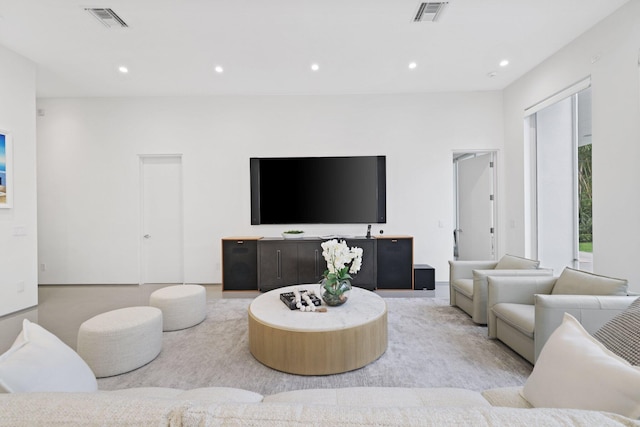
x,y
342,261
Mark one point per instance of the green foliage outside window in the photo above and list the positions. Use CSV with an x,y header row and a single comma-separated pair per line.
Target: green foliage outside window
x,y
585,194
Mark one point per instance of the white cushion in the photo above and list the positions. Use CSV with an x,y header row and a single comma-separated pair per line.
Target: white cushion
x,y
205,395
511,262
370,397
510,397
578,282
622,334
464,286
40,361
576,371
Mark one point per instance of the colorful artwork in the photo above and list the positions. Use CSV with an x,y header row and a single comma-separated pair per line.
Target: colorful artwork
x,y
5,170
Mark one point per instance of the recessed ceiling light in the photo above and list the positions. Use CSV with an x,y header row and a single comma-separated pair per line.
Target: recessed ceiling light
x,y
504,62
315,67
412,65
123,69
219,69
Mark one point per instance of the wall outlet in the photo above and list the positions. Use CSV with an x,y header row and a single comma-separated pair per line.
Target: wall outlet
x,y
43,267
20,287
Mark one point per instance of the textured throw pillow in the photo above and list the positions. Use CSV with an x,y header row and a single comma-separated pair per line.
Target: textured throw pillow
x,y
576,371
39,361
621,334
510,262
578,282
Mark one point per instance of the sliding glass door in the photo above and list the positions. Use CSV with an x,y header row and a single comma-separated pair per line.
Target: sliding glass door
x,y
563,182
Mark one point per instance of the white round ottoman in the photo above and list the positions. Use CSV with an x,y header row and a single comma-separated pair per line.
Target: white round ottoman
x,y
120,341
182,306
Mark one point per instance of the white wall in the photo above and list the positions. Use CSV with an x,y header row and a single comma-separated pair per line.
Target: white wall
x,y
18,254
88,173
609,54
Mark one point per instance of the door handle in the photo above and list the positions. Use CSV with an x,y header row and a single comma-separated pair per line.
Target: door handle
x,y
278,264
147,236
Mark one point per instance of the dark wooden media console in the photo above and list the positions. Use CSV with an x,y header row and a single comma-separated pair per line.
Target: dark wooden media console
x,y
256,263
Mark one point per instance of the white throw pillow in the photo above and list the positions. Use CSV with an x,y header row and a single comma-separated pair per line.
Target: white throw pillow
x,y
621,334
576,371
40,361
511,262
578,282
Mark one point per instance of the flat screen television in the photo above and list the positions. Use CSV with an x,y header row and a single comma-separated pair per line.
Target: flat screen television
x,y
318,190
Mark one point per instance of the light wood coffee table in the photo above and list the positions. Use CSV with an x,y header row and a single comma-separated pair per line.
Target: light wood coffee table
x,y
342,339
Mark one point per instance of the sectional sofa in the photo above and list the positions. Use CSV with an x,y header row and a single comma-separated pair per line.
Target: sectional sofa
x,y
326,407
576,382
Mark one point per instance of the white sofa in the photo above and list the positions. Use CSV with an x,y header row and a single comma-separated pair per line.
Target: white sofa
x,y
327,407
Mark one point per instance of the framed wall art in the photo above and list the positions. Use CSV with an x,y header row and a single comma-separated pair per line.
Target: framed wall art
x,y
6,177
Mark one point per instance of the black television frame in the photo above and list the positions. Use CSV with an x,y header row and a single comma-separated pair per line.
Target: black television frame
x,y
381,189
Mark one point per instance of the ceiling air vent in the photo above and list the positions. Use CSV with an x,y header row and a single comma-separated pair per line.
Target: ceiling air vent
x,y
108,17
429,11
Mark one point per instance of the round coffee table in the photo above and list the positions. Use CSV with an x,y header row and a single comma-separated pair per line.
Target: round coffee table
x,y
342,339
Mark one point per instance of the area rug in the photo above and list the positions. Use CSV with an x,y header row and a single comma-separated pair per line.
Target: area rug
x,y
430,345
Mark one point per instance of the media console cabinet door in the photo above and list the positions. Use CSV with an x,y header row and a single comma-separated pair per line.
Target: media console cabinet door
x,y
366,277
240,264
311,264
395,263
278,260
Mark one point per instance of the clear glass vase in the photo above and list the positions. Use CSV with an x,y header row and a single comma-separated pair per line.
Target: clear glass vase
x,y
335,294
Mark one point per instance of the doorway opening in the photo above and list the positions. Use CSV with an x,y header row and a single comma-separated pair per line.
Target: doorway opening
x,y
474,183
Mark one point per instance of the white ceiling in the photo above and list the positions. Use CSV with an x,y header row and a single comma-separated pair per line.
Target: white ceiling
x,y
267,46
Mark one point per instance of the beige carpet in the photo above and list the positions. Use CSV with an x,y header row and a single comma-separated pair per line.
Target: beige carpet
x,y
430,345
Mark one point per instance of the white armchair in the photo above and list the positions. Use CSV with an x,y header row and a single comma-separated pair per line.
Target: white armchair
x,y
468,281
524,311
592,311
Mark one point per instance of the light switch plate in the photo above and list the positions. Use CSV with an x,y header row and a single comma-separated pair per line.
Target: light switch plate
x,y
19,230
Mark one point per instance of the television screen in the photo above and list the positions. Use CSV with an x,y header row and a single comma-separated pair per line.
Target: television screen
x,y
318,190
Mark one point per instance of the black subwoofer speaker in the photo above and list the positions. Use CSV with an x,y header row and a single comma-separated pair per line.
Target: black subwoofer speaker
x,y
395,263
239,265
424,277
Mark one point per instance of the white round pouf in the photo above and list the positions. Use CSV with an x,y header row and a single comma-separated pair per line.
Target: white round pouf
x,y
120,341
182,306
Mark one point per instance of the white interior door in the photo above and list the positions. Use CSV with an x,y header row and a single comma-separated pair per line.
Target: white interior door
x,y
475,207
162,229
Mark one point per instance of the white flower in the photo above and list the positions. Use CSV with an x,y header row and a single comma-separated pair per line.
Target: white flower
x,y
355,266
340,258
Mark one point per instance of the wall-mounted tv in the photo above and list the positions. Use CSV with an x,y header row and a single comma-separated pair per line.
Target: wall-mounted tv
x,y
318,190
